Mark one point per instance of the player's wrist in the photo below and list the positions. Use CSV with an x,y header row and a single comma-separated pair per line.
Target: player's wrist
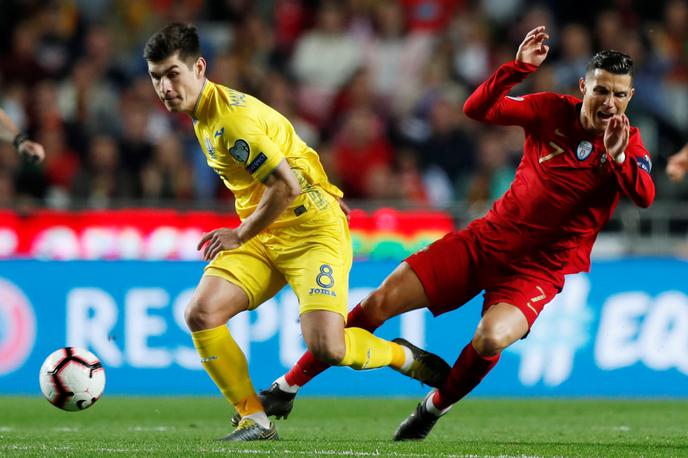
x,y
241,235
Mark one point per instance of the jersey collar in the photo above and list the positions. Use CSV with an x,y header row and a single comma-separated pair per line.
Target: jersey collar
x,y
202,100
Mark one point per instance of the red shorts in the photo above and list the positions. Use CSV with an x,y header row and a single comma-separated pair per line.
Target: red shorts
x,y
455,268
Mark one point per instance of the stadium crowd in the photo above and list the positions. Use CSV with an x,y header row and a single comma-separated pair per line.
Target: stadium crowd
x,y
375,86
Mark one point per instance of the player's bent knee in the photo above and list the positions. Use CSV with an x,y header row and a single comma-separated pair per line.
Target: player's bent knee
x,y
198,318
328,352
488,341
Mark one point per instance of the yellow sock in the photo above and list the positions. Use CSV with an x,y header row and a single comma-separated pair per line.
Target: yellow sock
x,y
226,364
365,351
398,356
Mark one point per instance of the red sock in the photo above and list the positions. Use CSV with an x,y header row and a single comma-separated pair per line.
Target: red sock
x,y
308,367
469,370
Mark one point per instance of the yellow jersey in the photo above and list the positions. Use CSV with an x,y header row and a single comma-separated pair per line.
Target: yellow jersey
x,y
244,140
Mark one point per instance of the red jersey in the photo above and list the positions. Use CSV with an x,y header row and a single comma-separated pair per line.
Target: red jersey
x,y
566,186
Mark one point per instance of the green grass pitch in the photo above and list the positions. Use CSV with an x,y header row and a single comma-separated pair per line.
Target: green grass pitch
x,y
148,427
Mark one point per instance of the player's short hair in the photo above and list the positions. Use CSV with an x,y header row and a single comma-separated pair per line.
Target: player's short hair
x,y
173,38
612,61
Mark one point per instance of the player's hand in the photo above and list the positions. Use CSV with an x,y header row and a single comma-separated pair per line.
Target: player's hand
x,y
32,150
677,166
218,240
533,49
616,135
345,208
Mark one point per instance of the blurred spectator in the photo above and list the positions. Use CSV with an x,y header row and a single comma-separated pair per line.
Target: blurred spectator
x,y
495,171
449,146
134,143
167,176
576,50
325,58
21,65
280,93
609,29
102,181
357,93
430,16
361,150
394,57
375,86
61,165
98,50
87,100
471,48
7,189
411,182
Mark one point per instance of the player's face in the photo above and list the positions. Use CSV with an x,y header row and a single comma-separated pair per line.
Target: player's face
x,y
605,94
177,83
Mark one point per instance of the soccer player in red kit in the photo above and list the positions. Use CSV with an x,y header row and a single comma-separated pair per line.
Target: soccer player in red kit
x,y
580,156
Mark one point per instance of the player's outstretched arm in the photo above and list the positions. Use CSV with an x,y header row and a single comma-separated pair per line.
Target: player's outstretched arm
x,y
10,133
677,166
490,102
281,188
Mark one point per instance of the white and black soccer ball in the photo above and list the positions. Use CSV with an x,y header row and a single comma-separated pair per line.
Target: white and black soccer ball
x,y
72,378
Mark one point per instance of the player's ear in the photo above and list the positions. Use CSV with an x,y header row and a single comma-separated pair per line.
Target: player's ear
x,y
581,85
199,67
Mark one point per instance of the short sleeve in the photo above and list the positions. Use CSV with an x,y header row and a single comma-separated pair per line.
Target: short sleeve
x,y
251,147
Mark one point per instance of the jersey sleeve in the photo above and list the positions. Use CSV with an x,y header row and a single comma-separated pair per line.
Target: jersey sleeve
x,y
633,175
249,145
491,103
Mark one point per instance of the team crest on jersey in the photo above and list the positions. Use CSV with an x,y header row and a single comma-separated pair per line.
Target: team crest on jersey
x,y
583,150
209,148
240,151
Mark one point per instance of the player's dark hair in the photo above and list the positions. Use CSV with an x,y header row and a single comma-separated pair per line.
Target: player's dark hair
x,y
612,61
175,37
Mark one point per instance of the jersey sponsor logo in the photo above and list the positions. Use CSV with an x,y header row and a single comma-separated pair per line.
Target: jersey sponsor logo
x,y
209,147
256,163
322,291
583,150
644,163
517,99
240,151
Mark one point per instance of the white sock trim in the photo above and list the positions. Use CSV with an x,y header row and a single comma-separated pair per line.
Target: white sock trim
x,y
284,386
408,359
260,418
430,406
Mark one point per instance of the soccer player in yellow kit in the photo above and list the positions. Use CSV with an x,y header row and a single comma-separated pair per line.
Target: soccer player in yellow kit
x,y
293,231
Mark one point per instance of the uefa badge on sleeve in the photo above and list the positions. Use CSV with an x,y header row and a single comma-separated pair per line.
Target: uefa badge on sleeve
x,y
583,150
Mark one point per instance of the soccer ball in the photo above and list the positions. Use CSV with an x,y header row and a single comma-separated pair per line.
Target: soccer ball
x,y
72,378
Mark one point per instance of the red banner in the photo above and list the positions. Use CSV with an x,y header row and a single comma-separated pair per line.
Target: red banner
x,y
173,234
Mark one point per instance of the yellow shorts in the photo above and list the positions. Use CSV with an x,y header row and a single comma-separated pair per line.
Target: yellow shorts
x,y
313,256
